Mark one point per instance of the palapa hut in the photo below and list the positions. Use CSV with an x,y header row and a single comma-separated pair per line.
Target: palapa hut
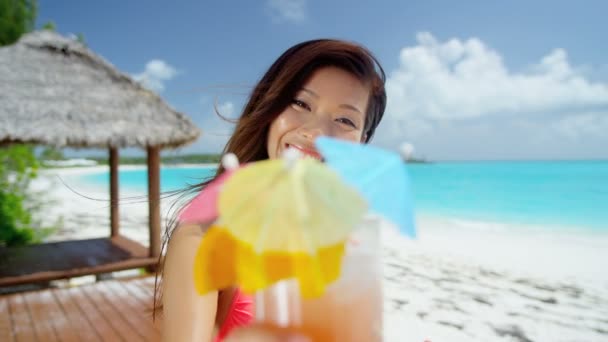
x,y
55,91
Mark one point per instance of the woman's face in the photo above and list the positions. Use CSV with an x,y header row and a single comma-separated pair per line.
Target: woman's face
x,y
331,103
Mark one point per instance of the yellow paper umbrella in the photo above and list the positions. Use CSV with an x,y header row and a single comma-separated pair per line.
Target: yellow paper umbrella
x,y
279,219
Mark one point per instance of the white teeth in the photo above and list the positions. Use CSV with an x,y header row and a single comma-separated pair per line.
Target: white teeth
x,y
291,155
308,156
301,153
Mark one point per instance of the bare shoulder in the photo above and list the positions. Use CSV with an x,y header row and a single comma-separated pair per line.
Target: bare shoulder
x,y
182,246
188,231
184,242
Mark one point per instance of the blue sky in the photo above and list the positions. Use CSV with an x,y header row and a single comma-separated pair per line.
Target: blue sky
x,y
467,80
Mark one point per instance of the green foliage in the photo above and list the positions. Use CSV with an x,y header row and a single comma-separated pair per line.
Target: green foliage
x,y
50,26
16,17
51,153
18,167
180,159
18,164
192,159
80,39
14,220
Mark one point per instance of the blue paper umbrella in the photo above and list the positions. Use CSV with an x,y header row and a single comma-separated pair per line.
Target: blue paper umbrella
x,y
380,175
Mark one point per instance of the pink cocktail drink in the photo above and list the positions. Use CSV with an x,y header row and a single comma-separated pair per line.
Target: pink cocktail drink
x,y
351,308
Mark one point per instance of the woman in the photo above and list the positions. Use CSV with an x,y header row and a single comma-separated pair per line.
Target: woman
x,y
320,87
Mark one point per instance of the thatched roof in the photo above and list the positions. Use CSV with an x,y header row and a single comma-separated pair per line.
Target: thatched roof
x,y
55,91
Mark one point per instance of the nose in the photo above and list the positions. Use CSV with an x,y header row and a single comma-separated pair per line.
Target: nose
x,y
315,127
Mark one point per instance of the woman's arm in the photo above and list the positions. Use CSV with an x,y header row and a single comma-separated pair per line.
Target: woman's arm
x,y
187,316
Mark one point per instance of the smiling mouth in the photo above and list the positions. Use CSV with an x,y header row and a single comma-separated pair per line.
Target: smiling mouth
x,y
306,153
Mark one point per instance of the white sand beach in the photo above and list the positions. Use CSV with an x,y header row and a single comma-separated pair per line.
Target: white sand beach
x,y
459,281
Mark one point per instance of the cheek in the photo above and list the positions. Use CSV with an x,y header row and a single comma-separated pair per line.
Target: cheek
x,y
271,142
283,124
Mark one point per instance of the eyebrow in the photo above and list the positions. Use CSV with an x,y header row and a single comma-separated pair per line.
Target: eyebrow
x,y
344,105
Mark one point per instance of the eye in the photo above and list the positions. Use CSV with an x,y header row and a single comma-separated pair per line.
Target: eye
x,y
300,103
347,121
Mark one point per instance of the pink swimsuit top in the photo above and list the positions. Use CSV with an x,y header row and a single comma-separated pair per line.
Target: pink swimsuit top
x,y
239,314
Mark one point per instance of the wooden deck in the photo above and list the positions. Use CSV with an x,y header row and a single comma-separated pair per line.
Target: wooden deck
x,y
65,259
111,310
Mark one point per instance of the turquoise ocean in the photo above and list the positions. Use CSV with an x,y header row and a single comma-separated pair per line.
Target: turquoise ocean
x,y
556,194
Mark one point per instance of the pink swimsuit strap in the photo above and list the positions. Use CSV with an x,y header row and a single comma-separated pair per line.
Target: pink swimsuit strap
x,y
239,314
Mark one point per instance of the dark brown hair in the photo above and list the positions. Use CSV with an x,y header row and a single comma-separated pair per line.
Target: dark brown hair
x,y
285,77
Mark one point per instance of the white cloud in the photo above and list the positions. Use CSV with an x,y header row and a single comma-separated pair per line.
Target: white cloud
x,y
439,83
465,79
156,73
582,125
293,11
216,130
226,109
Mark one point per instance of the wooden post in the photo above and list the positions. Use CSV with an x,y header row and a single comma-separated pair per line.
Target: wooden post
x,y
114,215
154,199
